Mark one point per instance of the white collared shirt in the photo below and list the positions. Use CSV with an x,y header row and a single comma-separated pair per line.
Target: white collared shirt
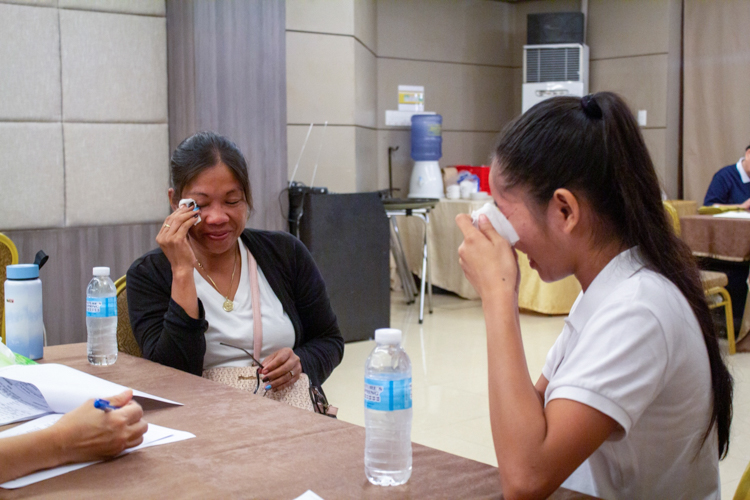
x,y
632,349
741,170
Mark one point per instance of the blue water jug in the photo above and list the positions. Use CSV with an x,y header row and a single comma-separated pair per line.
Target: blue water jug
x,y
426,137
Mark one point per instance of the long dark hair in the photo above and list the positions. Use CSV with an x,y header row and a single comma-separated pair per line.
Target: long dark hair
x,y
202,151
594,148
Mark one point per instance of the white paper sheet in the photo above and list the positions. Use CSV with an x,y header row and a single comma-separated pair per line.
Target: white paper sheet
x,y
154,436
309,495
734,215
63,388
20,401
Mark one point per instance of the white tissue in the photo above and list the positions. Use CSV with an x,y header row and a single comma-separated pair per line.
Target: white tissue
x,y
502,225
186,202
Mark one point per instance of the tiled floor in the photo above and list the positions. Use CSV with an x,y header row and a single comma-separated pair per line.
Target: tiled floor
x,y
449,372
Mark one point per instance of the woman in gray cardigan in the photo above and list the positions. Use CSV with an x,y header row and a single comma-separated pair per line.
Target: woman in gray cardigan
x,y
195,292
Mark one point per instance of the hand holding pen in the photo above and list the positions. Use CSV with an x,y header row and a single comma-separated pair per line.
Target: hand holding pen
x,y
88,433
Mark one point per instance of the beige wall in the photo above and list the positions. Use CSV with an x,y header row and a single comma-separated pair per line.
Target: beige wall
x,y
332,76
83,117
635,51
346,58
468,55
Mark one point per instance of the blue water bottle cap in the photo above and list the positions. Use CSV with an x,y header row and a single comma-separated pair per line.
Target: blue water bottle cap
x,y
22,271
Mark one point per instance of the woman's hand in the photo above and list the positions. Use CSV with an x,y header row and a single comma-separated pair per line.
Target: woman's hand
x,y
88,433
281,369
173,240
487,259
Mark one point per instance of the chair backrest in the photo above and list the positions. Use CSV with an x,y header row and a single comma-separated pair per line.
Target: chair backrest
x,y
743,489
8,256
125,339
672,212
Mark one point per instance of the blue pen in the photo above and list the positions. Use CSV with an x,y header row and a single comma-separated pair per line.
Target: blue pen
x,y
103,404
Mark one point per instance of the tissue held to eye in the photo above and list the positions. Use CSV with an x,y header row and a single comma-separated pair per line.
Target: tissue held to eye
x,y
502,225
190,203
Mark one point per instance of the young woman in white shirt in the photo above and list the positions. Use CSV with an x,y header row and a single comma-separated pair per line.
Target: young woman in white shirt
x,y
634,400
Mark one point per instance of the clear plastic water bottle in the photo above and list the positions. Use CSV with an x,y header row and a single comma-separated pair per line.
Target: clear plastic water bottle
x,y
388,411
101,318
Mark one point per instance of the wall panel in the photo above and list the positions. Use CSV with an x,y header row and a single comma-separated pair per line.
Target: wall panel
x,y
626,27
469,97
29,63
321,16
366,153
641,80
94,89
115,173
32,185
73,253
468,32
337,163
144,7
35,3
83,135
235,53
320,79
635,52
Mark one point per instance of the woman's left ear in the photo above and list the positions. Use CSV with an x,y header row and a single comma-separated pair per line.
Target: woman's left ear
x,y
565,210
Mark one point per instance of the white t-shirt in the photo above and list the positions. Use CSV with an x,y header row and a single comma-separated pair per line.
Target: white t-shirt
x,y
236,327
632,349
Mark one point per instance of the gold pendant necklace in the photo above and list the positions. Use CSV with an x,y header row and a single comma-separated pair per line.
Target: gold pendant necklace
x,y
228,304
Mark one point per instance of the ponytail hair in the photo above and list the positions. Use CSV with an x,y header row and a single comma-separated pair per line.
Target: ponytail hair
x,y
594,148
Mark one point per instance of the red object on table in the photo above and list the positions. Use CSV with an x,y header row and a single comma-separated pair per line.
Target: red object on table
x,y
483,172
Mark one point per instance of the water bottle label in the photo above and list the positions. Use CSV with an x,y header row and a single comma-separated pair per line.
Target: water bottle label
x,y
104,307
388,395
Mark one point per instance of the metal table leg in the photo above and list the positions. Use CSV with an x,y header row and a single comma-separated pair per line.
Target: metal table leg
x,y
429,262
397,248
426,274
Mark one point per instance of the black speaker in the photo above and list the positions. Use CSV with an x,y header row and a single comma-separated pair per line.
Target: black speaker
x,y
348,236
555,27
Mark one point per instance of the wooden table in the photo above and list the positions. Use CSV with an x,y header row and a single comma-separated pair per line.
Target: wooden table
x,y
723,239
717,237
247,447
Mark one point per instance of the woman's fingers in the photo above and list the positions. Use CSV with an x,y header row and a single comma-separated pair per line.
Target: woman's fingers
x,y
135,433
485,256
132,412
121,399
282,369
178,219
173,240
465,225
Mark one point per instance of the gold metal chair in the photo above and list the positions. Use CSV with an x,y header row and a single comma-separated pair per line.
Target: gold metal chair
x,y
743,489
125,339
719,209
713,284
8,256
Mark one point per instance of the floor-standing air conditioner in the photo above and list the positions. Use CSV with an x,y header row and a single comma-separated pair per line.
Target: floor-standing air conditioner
x,y
553,70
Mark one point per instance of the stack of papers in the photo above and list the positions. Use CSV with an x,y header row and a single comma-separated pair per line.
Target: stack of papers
x,y
45,392
30,391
